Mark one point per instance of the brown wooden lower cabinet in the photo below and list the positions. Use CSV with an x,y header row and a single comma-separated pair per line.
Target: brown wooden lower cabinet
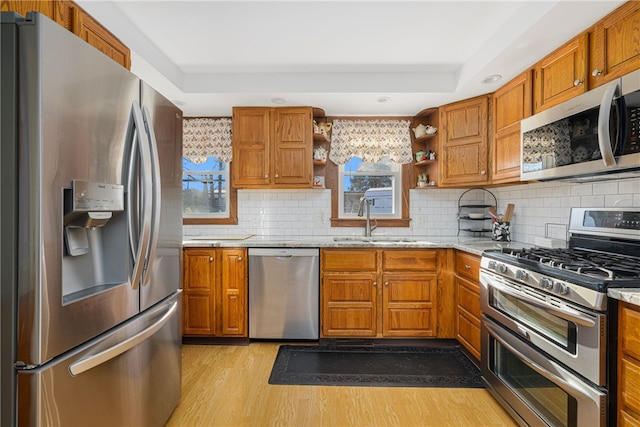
x,y
378,293
628,365
349,304
467,268
215,292
408,304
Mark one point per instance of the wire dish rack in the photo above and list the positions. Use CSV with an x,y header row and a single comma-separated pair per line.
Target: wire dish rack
x,y
473,211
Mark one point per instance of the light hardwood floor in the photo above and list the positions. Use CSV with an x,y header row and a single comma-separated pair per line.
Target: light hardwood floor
x,y
228,386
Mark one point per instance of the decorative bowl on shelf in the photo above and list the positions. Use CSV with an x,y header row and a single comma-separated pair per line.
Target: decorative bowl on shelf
x,y
476,215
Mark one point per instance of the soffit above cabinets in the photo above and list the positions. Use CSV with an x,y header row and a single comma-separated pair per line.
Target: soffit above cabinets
x,y
340,55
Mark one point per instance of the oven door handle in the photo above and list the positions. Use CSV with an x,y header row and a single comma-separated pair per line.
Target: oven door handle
x,y
569,386
566,313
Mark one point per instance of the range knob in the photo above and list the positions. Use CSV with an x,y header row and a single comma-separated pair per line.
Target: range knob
x,y
546,283
501,268
521,275
492,265
560,288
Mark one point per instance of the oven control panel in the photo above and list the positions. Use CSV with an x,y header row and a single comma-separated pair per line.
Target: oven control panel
x,y
606,222
565,290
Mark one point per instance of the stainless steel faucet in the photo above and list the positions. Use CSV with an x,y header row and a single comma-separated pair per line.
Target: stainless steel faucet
x,y
368,228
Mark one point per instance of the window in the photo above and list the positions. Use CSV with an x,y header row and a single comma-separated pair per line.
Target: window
x,y
208,197
205,188
380,183
206,193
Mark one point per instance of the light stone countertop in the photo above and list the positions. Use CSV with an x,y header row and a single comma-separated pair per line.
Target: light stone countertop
x,y
469,244
630,295
474,245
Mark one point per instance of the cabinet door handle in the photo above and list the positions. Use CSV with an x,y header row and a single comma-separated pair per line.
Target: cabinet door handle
x,y
596,72
577,82
266,176
386,283
467,267
210,259
277,176
239,258
483,172
375,283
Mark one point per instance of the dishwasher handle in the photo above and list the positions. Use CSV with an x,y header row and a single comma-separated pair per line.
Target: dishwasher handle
x,y
284,252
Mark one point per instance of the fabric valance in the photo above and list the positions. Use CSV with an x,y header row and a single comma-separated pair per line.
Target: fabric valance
x,y
206,137
371,140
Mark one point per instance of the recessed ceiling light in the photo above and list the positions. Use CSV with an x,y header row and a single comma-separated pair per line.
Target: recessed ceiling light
x,y
384,99
492,79
278,100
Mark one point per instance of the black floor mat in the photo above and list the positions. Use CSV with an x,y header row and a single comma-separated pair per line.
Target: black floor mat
x,y
375,367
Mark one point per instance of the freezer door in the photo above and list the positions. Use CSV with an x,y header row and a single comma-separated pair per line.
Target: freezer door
x,y
129,377
164,124
72,275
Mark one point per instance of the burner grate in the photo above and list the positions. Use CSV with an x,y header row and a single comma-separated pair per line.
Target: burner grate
x,y
591,263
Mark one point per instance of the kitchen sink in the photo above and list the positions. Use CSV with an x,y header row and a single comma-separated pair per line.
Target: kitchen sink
x,y
374,239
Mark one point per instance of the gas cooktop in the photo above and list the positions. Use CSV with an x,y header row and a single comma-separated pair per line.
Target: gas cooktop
x,y
604,251
582,261
575,271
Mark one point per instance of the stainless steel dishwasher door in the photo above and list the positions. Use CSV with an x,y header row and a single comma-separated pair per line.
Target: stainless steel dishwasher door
x,y
284,293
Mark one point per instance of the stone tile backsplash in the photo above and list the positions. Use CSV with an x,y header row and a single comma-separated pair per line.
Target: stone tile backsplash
x,y
540,208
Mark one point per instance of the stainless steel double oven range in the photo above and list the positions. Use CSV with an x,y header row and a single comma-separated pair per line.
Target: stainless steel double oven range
x,y
548,329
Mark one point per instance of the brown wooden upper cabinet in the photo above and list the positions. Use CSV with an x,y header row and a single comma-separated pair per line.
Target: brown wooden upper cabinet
x,y
615,45
272,147
464,142
90,30
55,10
511,103
562,74
72,17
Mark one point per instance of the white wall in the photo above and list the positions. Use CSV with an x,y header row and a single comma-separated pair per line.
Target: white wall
x,y
433,211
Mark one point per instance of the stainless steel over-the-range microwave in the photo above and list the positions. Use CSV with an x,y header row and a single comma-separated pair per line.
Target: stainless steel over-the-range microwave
x,y
587,137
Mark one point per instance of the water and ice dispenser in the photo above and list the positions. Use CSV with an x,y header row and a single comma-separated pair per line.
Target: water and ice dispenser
x,y
95,236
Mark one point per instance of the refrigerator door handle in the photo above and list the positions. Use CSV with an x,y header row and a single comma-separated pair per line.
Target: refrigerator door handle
x,y
139,202
155,191
104,356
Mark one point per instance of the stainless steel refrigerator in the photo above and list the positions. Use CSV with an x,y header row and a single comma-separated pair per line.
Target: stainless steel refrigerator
x,y
90,236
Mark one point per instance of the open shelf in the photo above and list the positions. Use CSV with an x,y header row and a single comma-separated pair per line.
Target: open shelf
x,y
426,143
319,138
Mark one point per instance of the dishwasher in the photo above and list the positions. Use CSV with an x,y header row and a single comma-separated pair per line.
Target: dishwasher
x,y
284,293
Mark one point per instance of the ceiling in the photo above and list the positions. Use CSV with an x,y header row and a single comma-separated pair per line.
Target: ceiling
x,y
347,57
